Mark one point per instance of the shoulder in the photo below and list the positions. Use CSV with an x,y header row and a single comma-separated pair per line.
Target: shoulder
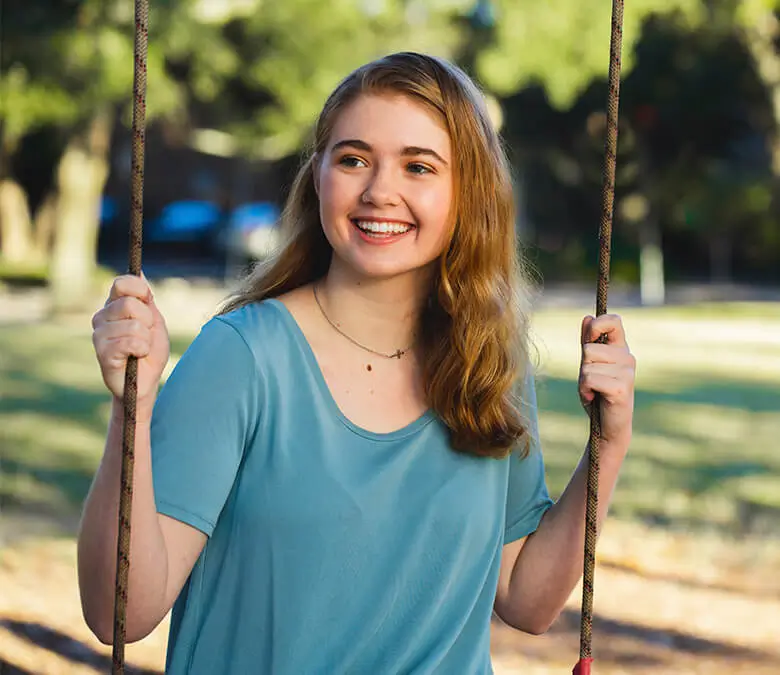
x,y
257,321
268,328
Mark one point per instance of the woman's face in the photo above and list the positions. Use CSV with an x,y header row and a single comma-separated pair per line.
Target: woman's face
x,y
385,187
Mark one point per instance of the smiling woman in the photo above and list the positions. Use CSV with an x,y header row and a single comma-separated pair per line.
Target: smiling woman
x,y
342,473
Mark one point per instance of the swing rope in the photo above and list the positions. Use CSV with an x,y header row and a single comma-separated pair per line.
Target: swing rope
x,y
605,239
131,374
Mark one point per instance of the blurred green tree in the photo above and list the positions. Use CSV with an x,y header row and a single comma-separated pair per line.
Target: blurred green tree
x,y
69,65
286,57
563,45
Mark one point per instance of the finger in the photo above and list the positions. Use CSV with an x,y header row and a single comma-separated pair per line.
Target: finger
x,y
129,308
112,330
608,369
610,386
112,353
130,285
594,352
587,322
608,325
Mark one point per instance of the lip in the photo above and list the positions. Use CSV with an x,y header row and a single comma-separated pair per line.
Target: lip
x,y
381,241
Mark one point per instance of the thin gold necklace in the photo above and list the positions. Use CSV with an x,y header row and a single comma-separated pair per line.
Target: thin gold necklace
x,y
397,354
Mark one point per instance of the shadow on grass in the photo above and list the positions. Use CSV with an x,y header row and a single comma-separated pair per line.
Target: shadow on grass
x,y
55,400
64,646
71,483
8,668
676,640
56,472
560,395
697,444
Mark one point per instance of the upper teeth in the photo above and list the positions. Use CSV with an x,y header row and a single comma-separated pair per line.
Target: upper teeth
x,y
371,226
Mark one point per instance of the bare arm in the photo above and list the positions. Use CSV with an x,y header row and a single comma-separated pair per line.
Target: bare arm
x,y
162,550
538,573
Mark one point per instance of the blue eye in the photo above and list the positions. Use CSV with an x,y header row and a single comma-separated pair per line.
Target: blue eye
x,y
351,161
418,169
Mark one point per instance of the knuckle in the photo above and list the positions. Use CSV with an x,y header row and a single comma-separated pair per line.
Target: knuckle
x,y
119,287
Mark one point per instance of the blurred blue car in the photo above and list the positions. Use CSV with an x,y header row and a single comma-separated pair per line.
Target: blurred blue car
x,y
184,222
252,231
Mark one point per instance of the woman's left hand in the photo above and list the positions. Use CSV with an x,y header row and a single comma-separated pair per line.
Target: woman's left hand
x,y
608,369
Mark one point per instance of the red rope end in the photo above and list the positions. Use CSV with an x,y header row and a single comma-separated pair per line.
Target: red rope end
x,y
583,667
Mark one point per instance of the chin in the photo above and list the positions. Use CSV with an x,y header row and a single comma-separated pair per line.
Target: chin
x,y
382,269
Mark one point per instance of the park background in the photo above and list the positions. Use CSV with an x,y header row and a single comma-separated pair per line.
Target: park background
x,y
687,578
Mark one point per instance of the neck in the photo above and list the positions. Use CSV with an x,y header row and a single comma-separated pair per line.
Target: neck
x,y
381,314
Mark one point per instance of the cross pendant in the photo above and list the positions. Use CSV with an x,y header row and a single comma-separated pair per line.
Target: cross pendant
x,y
397,354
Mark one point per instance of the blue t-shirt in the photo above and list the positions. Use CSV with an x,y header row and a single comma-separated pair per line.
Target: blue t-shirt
x,y
332,550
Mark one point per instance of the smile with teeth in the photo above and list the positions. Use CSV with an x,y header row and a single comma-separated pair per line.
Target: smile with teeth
x,y
384,228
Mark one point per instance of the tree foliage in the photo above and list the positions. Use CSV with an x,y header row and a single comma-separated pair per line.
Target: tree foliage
x,y
59,66
564,44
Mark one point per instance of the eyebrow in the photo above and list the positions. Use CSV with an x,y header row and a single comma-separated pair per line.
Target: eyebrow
x,y
408,151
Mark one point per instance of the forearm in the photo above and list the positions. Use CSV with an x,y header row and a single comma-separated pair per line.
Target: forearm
x,y
97,540
551,561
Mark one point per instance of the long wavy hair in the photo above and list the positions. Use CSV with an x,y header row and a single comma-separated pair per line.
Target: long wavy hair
x,y
473,332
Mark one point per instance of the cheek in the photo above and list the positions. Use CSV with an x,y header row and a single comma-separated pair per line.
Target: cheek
x,y
336,195
436,211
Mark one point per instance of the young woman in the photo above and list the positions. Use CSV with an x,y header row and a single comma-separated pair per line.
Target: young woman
x,y
342,474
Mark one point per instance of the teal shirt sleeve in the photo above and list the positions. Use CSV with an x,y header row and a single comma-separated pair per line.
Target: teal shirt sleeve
x,y
527,497
203,418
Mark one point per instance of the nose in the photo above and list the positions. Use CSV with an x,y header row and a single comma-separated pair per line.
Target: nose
x,y
382,189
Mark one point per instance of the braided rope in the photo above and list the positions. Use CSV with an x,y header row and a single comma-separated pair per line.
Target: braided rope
x,y
605,237
131,375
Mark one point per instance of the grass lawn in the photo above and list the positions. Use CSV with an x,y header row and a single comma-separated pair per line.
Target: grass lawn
x,y
705,455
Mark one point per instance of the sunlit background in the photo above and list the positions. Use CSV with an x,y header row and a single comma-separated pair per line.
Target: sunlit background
x,y
687,578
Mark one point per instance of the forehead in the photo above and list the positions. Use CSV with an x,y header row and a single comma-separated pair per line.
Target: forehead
x,y
391,121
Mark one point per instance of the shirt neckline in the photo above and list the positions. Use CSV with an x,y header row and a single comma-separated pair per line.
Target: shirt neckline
x,y
292,324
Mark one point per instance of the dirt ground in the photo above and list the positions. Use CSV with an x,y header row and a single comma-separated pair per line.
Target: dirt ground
x,y
652,616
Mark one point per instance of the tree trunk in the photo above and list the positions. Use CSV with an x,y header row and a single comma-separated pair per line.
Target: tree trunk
x,y
651,263
44,224
16,245
81,177
652,286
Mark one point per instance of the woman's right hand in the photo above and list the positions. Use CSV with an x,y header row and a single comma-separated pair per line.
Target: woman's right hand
x,y
131,325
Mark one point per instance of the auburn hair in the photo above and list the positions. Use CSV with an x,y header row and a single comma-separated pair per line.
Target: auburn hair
x,y
473,332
